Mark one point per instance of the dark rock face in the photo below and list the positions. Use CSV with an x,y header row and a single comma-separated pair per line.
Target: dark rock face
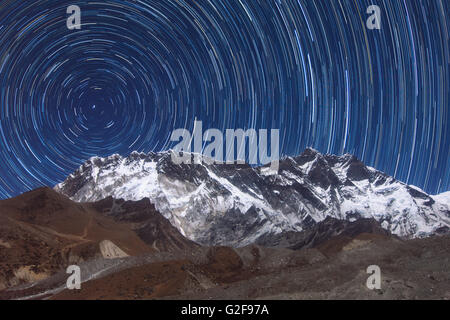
x,y
322,232
233,226
147,222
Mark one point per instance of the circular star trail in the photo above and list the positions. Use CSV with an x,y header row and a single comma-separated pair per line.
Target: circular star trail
x,y
137,70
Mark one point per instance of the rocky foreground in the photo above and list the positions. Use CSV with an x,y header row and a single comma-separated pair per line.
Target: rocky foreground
x,y
128,250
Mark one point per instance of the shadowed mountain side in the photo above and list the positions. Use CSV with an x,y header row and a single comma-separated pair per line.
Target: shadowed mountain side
x,y
147,222
328,235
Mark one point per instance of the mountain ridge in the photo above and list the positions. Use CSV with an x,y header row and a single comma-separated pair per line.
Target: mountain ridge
x,y
235,204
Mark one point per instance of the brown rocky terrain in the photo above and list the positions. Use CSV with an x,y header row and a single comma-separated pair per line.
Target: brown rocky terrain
x,y
41,232
413,269
127,250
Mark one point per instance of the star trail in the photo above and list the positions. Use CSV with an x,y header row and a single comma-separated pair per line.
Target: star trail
x,y
137,70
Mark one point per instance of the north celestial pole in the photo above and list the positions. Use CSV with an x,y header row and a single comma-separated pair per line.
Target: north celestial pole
x,y
137,70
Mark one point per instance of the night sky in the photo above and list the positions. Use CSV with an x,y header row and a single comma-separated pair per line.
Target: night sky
x,y
137,70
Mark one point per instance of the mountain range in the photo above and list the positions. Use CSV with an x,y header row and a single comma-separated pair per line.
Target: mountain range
x,y
236,204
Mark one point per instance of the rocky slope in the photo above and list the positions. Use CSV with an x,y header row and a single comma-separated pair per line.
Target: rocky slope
x,y
223,204
43,232
329,267
146,222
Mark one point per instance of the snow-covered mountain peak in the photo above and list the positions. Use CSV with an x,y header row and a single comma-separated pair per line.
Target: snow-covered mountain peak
x,y
234,204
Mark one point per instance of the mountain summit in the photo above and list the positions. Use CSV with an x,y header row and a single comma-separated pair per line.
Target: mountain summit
x,y
235,204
